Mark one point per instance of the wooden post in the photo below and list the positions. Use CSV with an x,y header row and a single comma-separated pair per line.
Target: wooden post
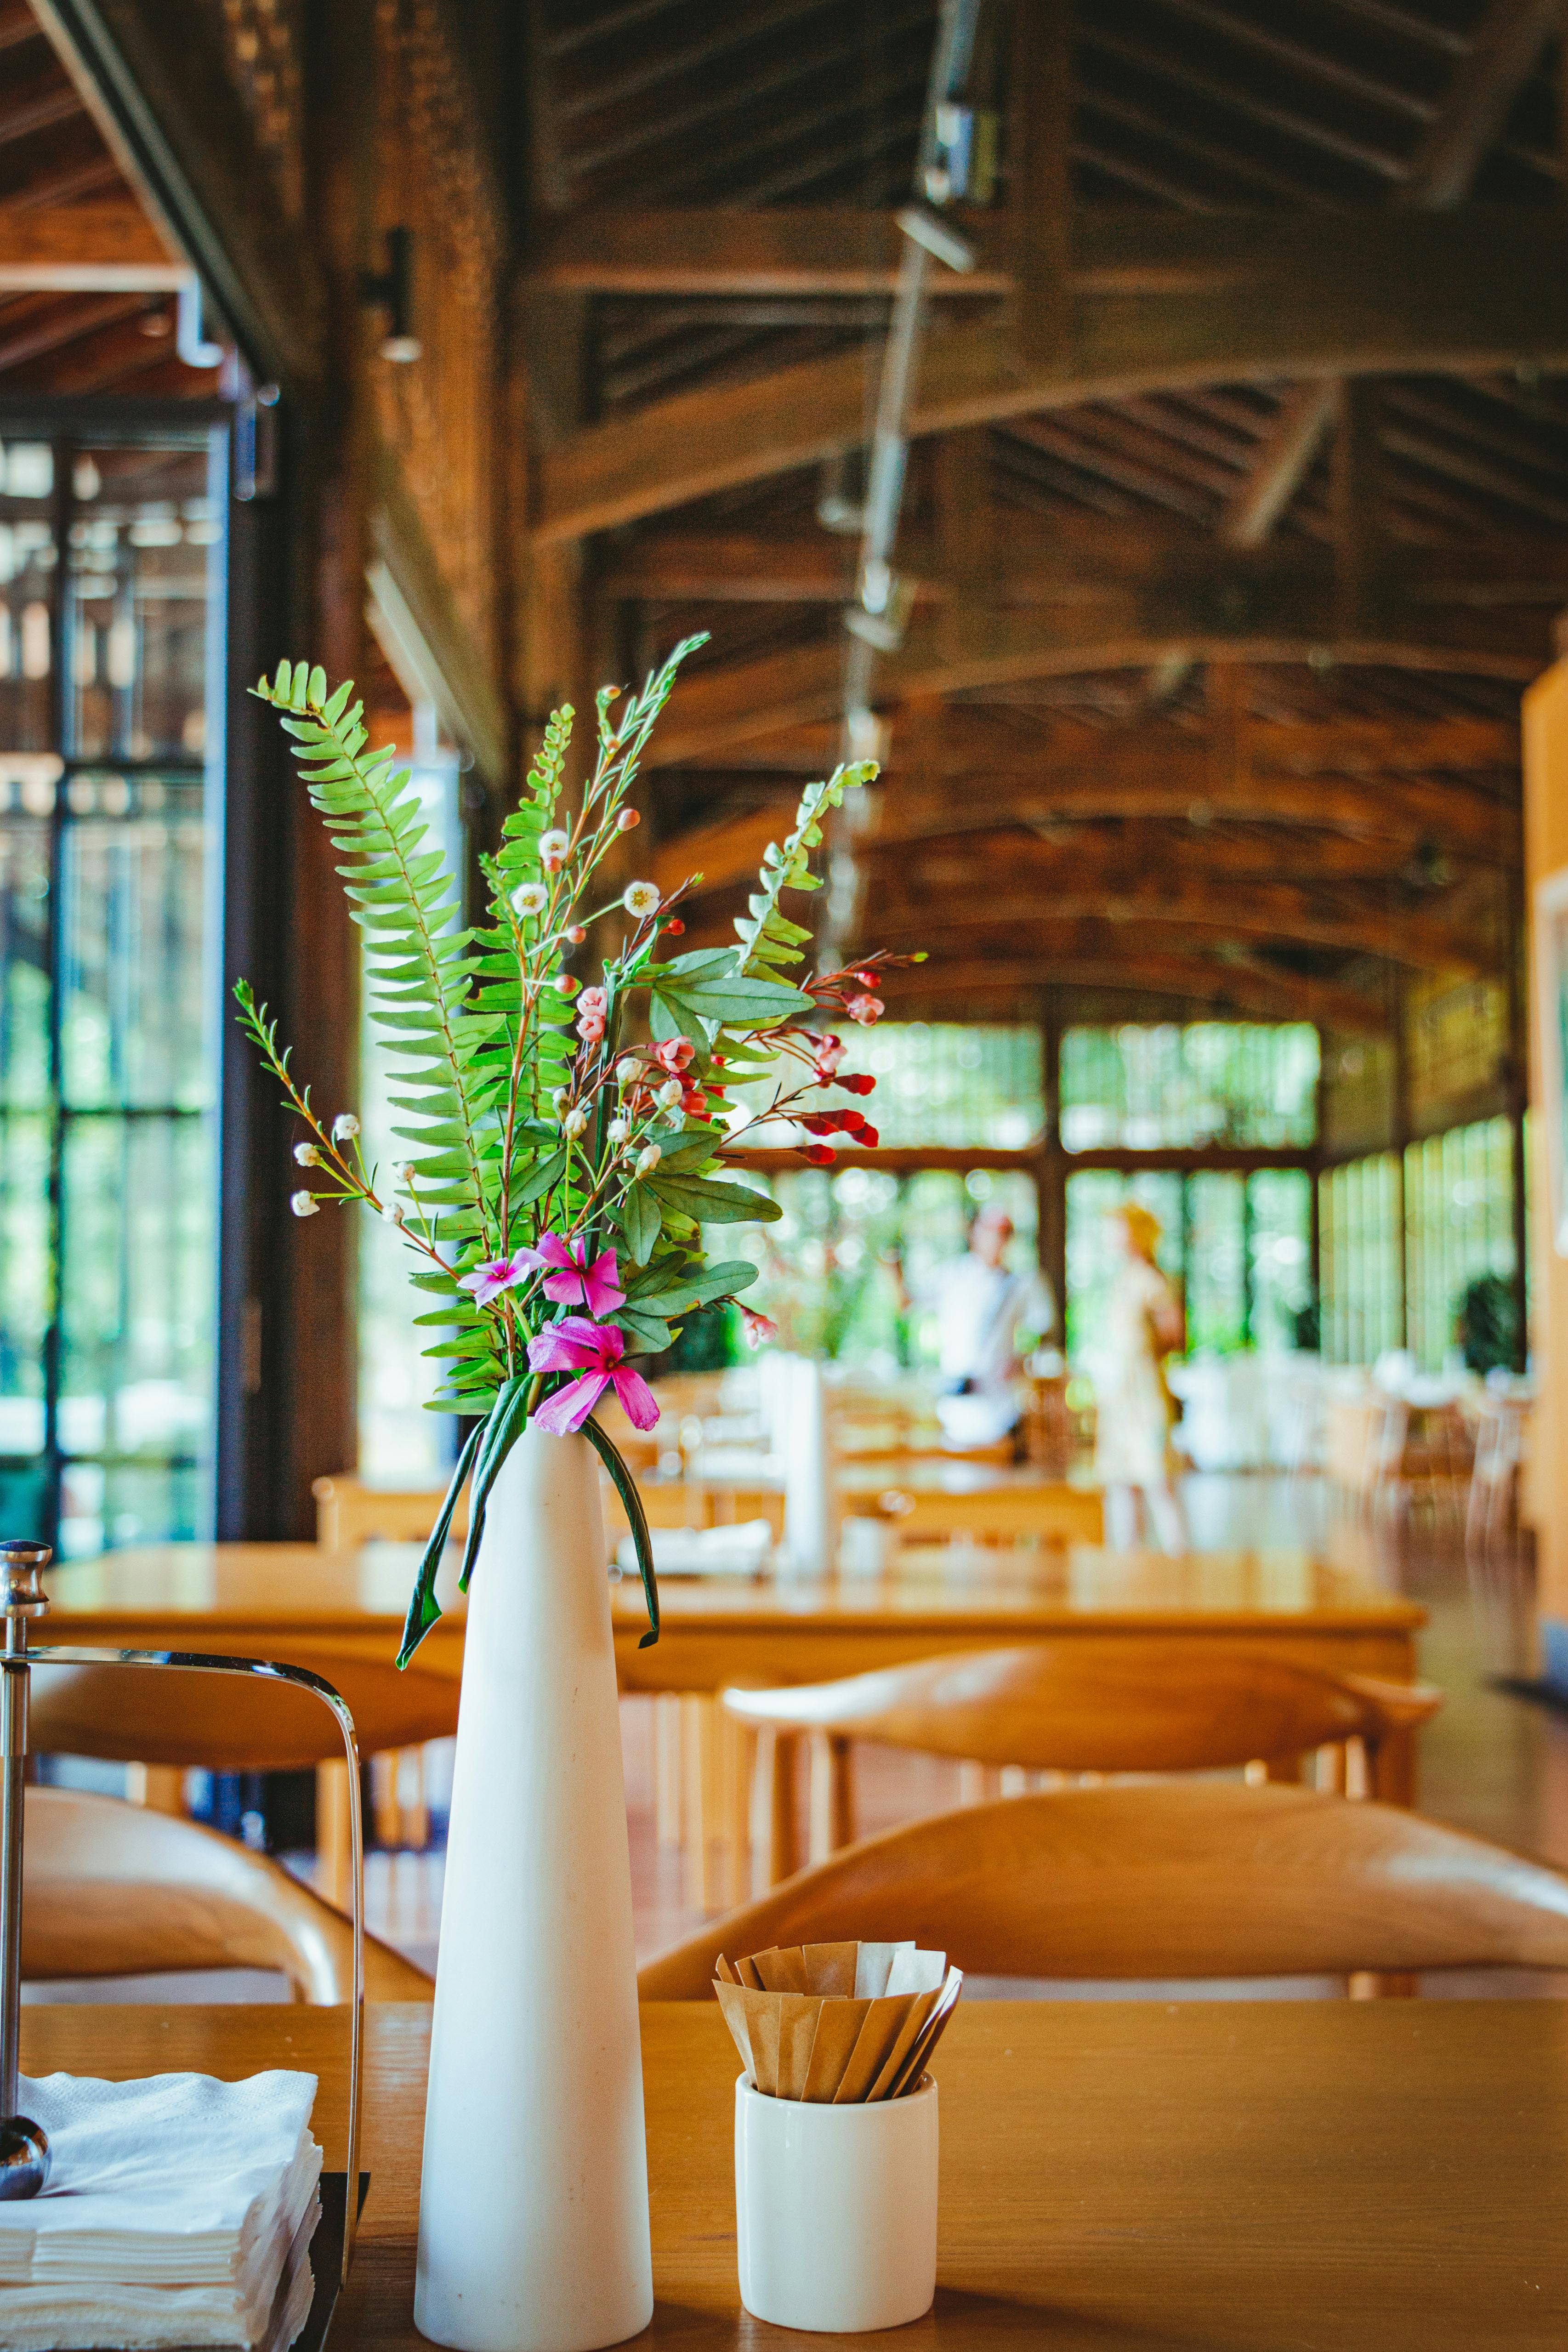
x,y
1040,190
331,506
1355,495
1051,1174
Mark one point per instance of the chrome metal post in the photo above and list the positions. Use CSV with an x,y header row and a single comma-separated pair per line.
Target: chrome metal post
x,y
24,2148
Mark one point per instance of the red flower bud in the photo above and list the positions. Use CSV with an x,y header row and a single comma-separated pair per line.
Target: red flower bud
x,y
819,1154
675,928
869,1137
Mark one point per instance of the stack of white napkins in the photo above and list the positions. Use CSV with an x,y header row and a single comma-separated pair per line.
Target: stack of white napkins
x,y
179,2210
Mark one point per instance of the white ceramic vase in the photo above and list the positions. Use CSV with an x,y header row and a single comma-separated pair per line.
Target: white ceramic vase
x,y
533,2219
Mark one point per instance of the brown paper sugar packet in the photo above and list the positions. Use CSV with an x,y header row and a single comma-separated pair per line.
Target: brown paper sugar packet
x,y
763,2034
872,1965
921,2008
838,2032
746,1974
732,2001
830,1968
724,1972
798,2015
782,1971
883,2019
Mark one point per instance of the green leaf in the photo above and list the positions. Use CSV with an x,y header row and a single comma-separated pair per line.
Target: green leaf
x,y
640,1222
424,1609
715,1205
631,1503
509,1418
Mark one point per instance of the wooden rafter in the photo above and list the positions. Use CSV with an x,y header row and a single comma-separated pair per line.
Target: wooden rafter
x,y
1235,987
1323,295
85,249
972,652
1500,59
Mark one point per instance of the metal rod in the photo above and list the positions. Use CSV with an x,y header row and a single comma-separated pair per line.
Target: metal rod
x,y
268,1670
13,1755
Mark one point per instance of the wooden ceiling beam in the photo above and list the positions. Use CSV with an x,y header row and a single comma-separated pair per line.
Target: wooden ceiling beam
x,y
782,250
1324,294
1232,987
105,248
932,741
1035,558
1266,912
971,652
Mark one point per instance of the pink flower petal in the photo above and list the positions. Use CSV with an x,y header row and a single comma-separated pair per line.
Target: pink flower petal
x,y
601,1284
569,1408
573,1345
637,1400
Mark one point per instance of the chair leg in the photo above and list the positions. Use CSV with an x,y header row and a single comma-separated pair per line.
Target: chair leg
x,y
666,1767
334,1859
832,1820
159,1787
773,1826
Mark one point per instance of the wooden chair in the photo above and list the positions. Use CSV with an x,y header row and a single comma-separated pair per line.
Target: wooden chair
x,y
113,1890
1077,1704
1184,1879
223,1724
1049,1511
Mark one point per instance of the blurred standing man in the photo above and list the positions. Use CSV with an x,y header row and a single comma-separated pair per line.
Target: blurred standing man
x,y
988,1318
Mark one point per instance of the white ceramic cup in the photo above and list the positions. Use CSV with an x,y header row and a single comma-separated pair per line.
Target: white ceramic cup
x,y
836,2209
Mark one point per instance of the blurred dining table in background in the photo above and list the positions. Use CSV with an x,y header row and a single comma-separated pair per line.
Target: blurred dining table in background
x,y
276,1600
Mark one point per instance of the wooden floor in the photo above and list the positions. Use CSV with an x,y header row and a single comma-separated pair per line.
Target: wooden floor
x,y
1491,1763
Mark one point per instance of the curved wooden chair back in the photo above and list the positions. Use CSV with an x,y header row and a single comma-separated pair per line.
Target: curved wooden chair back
x,y
1183,1879
229,1725
111,1889
1116,1705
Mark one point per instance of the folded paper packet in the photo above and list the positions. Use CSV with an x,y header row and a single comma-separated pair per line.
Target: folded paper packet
x,y
835,2023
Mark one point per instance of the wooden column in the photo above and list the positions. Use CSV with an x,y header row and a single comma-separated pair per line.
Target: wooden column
x,y
331,513
1051,1176
1355,497
1546,854
1039,176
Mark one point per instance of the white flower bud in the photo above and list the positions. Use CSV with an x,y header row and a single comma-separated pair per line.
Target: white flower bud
x,y
345,1127
561,1097
575,1123
648,1159
395,1213
554,843
305,1204
628,1070
672,1094
405,1172
618,1129
306,1156
530,898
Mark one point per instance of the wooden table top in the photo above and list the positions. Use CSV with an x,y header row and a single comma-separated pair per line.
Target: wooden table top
x,y
215,1587
1116,2176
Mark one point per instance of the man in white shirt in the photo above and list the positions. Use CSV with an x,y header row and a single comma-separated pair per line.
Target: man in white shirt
x,y
987,1318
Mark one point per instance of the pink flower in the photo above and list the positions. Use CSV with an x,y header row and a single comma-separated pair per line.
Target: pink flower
x,y
574,1281
759,1329
865,1009
499,1273
595,1351
674,1054
593,1001
829,1053
591,1027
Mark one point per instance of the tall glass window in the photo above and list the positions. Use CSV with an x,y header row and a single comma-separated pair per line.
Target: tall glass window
x,y
1238,1245
111,579
1459,1223
1164,1087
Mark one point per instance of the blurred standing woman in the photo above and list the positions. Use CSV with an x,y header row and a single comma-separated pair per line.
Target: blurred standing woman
x,y
1132,1429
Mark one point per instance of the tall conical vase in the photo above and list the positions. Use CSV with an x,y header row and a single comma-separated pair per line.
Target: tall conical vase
x,y
533,2218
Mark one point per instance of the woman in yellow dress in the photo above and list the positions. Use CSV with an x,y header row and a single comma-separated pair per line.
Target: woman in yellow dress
x,y
1144,1325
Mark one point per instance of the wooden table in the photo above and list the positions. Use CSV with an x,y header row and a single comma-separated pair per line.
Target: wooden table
x,y
258,1599
1118,2176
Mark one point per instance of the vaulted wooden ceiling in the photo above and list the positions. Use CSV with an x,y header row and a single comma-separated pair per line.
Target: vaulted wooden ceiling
x,y
1235,515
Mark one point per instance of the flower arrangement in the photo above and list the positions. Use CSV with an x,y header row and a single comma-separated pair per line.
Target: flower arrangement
x,y
564,1141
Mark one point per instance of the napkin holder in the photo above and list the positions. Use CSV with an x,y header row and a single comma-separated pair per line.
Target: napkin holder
x,y
836,2131
21,1598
